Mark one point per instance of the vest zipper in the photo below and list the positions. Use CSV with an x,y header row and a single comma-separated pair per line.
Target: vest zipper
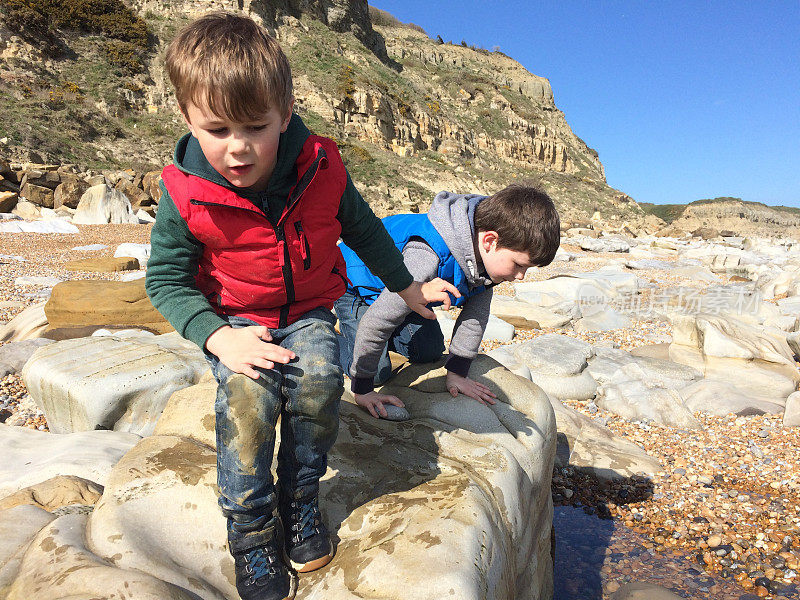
x,y
293,201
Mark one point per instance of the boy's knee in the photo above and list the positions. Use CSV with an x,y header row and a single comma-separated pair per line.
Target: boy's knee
x,y
427,352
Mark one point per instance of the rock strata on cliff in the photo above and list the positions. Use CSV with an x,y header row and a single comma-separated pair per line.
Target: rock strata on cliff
x,y
413,116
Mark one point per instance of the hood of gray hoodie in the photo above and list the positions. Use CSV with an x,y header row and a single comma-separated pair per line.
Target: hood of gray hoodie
x,y
453,217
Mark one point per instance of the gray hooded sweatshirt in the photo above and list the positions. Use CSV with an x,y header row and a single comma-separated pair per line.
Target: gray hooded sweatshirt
x,y
452,216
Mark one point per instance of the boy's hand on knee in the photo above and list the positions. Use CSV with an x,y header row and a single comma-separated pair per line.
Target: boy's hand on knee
x,y
243,349
373,402
468,387
418,295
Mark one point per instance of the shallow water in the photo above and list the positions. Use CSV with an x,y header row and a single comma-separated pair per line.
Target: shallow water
x,y
593,552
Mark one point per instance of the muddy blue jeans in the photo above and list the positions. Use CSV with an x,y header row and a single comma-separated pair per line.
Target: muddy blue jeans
x,y
305,394
418,339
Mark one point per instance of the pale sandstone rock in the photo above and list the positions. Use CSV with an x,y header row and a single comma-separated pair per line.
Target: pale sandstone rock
x,y
36,281
525,315
18,526
604,245
27,210
602,321
558,365
14,355
141,252
59,564
776,284
62,490
588,446
757,360
722,398
31,323
506,357
632,395
659,372
119,383
791,418
582,442
31,457
496,329
101,204
454,502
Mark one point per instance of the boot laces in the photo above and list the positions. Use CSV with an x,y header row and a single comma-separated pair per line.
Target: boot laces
x,y
261,562
305,514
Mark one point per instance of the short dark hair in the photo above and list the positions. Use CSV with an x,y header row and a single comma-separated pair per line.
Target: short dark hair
x,y
232,65
525,219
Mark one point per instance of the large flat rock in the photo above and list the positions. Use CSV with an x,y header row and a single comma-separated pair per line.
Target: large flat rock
x,y
454,502
110,382
99,303
590,447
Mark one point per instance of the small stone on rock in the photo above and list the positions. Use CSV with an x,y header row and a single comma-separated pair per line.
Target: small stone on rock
x,y
395,413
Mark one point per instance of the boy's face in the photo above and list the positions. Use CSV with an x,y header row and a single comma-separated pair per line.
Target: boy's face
x,y
243,153
501,264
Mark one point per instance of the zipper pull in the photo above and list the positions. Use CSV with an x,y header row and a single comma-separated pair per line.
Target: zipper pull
x,y
281,257
299,227
305,249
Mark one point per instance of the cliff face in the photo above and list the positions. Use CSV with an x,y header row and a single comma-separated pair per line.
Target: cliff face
x,y
412,116
742,218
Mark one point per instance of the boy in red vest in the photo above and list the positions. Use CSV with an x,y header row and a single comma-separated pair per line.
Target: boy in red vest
x,y
244,262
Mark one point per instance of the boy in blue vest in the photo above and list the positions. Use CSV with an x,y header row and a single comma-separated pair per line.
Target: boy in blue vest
x,y
244,262
473,242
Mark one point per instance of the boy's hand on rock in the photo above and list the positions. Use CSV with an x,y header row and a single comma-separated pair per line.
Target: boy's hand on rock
x,y
373,402
243,349
418,295
468,387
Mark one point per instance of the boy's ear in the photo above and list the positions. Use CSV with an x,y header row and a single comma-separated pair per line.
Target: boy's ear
x,y
487,239
288,116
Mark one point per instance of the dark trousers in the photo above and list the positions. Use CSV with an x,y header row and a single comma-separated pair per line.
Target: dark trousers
x,y
305,393
418,339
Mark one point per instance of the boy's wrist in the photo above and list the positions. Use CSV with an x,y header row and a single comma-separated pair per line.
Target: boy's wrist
x,y
362,385
401,283
202,327
458,365
215,339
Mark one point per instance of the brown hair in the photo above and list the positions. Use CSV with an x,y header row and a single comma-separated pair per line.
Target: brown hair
x,y
525,220
231,65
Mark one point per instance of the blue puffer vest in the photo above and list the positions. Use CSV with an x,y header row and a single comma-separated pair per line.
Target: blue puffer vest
x,y
403,228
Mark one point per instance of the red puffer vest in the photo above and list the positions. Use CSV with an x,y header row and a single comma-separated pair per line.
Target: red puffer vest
x,y
269,273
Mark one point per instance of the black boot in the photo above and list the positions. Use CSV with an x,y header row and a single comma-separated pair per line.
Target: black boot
x,y
261,573
308,542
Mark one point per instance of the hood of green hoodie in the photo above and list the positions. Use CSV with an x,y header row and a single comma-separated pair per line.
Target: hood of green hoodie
x,y
190,159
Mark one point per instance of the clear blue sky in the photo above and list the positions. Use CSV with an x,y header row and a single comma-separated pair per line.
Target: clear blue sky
x,y
682,100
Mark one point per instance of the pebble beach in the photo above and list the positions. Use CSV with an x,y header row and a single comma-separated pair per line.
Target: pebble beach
x,y
721,520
